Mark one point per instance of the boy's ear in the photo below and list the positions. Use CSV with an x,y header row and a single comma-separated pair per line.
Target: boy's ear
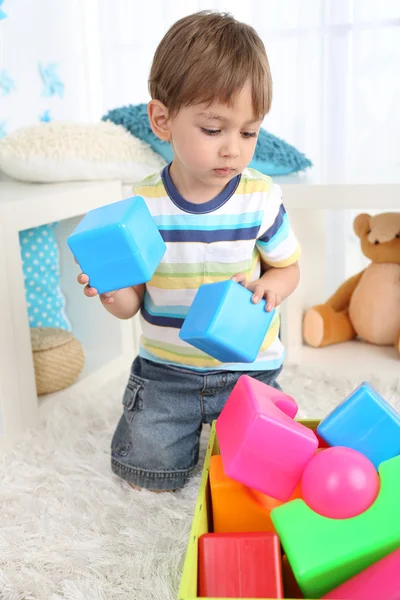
x,y
159,119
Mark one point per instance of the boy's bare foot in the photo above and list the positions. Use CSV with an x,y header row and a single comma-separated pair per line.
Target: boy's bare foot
x,y
135,487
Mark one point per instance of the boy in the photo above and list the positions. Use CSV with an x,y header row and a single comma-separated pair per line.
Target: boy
x,y
210,86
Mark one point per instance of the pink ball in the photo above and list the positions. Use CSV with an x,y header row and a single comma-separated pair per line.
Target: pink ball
x,y
339,483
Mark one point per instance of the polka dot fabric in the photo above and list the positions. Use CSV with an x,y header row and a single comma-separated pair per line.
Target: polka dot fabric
x,y
41,267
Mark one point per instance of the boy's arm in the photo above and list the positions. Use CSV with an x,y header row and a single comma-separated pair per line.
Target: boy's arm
x,y
126,302
279,252
281,281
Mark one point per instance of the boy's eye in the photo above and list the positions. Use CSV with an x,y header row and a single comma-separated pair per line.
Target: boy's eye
x,y
210,131
245,134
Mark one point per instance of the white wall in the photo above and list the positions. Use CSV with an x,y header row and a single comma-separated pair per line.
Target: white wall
x,y
335,66
46,32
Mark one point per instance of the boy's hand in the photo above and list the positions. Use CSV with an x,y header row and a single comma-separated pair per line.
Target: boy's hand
x,y
123,303
260,290
91,292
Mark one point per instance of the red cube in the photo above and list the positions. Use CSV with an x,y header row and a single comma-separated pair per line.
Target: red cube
x,y
240,565
321,442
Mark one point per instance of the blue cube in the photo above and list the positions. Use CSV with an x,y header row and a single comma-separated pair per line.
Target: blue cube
x,y
224,322
118,245
365,422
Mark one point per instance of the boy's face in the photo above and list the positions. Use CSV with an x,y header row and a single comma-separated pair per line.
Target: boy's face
x,y
215,142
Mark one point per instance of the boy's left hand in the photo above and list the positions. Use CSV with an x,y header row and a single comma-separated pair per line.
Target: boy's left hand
x,y
259,289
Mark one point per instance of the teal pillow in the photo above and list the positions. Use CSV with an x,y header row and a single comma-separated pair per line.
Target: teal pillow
x,y
135,119
272,156
41,268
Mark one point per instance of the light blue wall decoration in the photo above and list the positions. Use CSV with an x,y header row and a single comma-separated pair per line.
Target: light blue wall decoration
x,y
7,84
45,117
53,86
3,15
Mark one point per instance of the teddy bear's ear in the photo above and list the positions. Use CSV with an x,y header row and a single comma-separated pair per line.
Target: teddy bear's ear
x,y
362,224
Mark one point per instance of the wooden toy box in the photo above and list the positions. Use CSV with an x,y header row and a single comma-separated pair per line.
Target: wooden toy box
x,y
202,522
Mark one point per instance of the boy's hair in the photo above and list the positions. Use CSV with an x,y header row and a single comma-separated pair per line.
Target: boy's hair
x,y
207,56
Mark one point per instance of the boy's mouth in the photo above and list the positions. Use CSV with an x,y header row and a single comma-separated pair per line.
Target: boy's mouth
x,y
225,171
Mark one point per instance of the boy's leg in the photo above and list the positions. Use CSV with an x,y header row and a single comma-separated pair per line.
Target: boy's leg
x,y
156,443
268,377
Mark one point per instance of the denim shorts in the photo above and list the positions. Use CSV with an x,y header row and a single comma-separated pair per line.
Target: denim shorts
x,y
156,443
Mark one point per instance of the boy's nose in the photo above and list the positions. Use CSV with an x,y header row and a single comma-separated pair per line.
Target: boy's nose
x,y
230,150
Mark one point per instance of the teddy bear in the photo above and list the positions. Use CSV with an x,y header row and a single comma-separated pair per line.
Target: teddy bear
x,y
368,304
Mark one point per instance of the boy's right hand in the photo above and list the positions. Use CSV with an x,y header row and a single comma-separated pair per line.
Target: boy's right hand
x,y
91,292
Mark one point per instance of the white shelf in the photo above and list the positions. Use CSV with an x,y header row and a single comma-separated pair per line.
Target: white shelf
x,y
309,197
319,189
108,342
355,358
32,204
318,175
316,189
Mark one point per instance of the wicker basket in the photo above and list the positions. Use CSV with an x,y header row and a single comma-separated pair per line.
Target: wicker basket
x,y
58,358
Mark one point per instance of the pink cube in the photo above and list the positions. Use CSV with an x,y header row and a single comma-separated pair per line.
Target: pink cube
x,y
380,580
260,443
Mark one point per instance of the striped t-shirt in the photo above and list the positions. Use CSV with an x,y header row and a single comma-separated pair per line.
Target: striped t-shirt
x,y
207,243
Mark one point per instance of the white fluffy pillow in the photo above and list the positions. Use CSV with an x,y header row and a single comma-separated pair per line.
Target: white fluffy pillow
x,y
59,151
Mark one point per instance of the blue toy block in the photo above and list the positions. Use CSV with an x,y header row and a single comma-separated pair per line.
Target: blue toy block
x,y
118,245
365,422
224,322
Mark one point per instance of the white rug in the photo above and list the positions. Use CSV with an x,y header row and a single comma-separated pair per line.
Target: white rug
x,y
71,530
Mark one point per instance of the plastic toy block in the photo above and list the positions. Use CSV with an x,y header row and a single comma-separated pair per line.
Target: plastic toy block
x,y
260,443
322,443
290,585
224,322
379,581
240,565
339,483
365,422
236,507
117,245
324,553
